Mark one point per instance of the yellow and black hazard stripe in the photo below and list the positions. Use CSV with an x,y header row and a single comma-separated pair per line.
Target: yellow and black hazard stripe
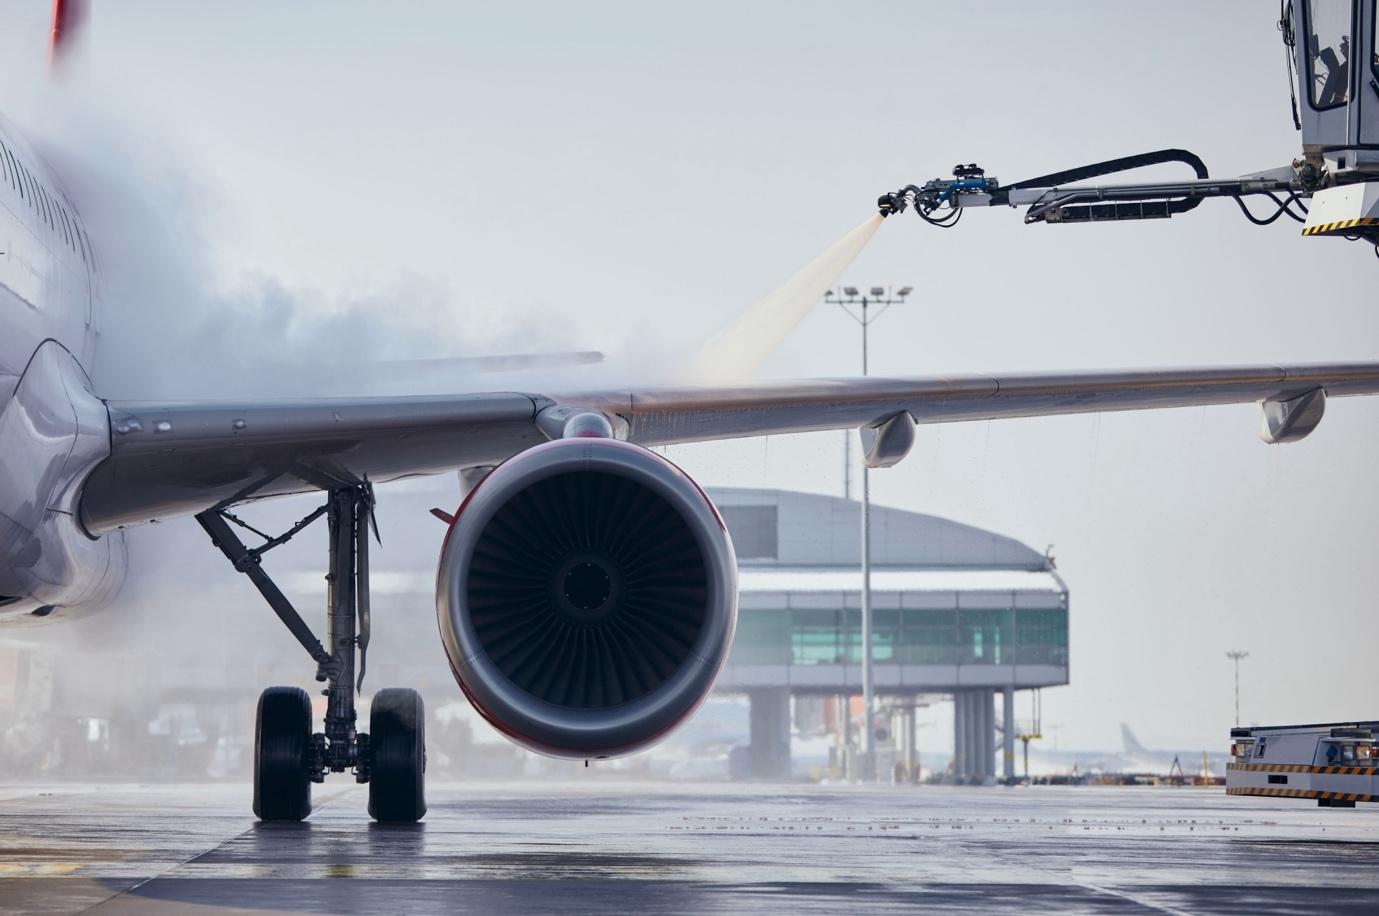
x,y
1302,768
1273,791
1270,767
1339,226
1279,792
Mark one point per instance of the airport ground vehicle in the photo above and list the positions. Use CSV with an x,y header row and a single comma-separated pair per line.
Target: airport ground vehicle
x,y
1337,764
1332,188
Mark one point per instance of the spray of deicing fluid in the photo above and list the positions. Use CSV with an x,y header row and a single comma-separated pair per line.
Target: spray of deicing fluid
x,y
740,350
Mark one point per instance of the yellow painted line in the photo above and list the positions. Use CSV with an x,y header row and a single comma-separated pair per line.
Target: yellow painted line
x,y
37,869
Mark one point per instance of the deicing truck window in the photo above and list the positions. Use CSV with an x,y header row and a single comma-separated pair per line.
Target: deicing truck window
x,y
1328,52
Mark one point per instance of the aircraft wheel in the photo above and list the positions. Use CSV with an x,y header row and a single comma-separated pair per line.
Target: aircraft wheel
x,y
282,737
397,741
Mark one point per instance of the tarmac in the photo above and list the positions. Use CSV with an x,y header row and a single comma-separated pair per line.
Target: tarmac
x,y
596,847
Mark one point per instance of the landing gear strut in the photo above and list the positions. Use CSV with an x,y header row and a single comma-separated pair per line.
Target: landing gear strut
x,y
288,757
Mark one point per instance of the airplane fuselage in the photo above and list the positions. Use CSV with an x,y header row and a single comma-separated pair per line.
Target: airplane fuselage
x,y
53,429
47,267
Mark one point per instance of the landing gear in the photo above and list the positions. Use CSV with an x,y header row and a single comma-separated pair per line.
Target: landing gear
x,y
282,744
288,757
397,737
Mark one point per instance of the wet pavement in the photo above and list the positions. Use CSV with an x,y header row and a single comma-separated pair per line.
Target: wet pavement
x,y
639,848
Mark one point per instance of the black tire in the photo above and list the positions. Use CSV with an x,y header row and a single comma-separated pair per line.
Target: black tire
x,y
397,741
282,737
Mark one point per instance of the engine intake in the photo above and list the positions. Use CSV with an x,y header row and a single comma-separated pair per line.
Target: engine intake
x,y
587,595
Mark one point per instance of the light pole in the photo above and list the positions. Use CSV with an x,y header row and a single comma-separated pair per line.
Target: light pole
x,y
857,304
1236,655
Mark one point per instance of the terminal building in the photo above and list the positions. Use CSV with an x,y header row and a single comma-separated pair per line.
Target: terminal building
x,y
957,611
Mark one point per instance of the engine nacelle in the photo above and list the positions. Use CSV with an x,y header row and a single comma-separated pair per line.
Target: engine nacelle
x,y
587,595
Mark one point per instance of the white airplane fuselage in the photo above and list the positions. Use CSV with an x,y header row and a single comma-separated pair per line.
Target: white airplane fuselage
x,y
53,429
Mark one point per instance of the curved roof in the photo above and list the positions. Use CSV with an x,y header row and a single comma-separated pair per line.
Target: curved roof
x,y
791,529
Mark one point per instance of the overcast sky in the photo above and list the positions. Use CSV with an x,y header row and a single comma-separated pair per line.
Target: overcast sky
x,y
627,178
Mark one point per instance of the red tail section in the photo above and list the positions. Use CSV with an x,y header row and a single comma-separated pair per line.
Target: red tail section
x,y
68,17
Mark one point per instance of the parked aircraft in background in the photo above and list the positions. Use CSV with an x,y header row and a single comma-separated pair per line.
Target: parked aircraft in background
x,y
1132,758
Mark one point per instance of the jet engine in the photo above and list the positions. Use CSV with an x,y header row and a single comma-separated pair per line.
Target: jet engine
x,y
587,595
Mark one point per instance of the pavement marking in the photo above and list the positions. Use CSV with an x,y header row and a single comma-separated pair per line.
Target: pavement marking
x,y
315,807
1126,895
38,869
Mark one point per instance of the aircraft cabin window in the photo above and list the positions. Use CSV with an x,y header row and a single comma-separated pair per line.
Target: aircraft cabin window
x,y
1328,50
5,163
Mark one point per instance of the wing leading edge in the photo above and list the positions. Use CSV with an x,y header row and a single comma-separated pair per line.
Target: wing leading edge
x,y
177,459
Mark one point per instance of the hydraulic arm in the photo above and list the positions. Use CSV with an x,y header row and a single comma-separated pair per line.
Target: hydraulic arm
x,y
1069,197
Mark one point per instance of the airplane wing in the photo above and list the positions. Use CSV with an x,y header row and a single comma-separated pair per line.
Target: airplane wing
x,y
169,459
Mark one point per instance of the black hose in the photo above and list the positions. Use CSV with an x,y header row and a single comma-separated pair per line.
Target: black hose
x,y
1287,208
1283,207
947,221
1111,166
1239,202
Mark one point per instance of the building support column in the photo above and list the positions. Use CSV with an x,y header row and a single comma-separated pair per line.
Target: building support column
x,y
768,754
974,735
988,746
911,744
845,707
959,735
974,731
969,735
1008,734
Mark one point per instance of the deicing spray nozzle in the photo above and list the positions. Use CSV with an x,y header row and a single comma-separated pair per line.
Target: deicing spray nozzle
x,y
891,202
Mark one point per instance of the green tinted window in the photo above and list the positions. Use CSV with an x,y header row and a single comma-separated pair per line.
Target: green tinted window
x,y
986,637
930,637
1042,636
